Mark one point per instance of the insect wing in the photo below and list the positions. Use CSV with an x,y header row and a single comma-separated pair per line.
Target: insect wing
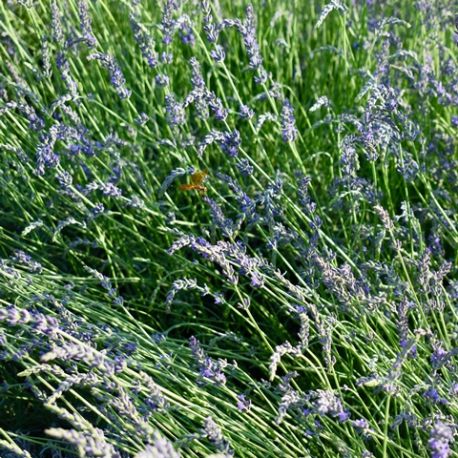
x,y
198,177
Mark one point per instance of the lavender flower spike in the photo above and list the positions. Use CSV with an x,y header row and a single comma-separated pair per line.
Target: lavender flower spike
x,y
145,42
440,439
248,31
116,77
91,443
161,448
85,23
333,5
288,122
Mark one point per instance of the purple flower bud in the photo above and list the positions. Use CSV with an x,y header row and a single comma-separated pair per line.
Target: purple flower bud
x,y
288,122
218,54
185,31
160,448
248,32
176,114
246,112
145,42
244,166
85,24
243,403
161,80
116,77
56,24
168,23
226,225
208,367
213,432
210,28
440,438
230,143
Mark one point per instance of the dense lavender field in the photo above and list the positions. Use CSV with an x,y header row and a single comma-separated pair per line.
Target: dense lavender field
x,y
228,228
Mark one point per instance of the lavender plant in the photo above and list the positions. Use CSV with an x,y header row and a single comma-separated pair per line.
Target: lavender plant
x,y
302,303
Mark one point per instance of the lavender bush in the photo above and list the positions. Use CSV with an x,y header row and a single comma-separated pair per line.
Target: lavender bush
x,y
298,299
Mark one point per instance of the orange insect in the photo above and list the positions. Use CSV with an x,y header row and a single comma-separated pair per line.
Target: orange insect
x,y
197,179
